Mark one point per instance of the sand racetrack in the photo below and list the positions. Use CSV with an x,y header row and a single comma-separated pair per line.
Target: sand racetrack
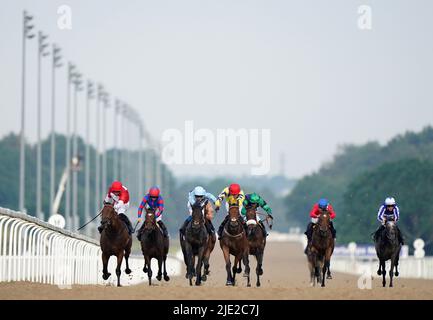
x,y
285,277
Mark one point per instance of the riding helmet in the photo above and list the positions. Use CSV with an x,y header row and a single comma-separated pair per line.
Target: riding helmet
x,y
116,186
323,204
154,192
234,189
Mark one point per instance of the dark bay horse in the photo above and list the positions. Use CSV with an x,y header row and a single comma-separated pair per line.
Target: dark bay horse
x,y
256,243
234,242
195,242
153,245
115,241
322,247
388,248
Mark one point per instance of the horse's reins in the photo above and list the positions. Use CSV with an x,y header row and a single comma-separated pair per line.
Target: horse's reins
x,y
233,236
100,211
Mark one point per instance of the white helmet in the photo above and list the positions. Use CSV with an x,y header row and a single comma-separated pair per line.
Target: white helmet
x,y
390,201
199,191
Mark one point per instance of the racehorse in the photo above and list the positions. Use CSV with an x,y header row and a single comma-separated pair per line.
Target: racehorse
x,y
322,247
256,243
234,242
195,243
388,248
115,241
153,245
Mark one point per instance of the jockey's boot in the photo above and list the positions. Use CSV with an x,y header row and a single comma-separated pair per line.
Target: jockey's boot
x,y
333,231
128,224
185,223
378,232
265,234
163,228
100,228
209,226
400,236
221,228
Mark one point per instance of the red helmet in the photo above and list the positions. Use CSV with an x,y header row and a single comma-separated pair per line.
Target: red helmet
x,y
154,192
116,186
234,189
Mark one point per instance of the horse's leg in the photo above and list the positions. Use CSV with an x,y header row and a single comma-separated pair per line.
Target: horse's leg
x,y
205,267
166,277
189,260
328,274
199,266
382,263
119,265
239,270
226,254
127,253
245,260
149,269
159,275
237,260
105,273
396,266
259,270
391,271
312,275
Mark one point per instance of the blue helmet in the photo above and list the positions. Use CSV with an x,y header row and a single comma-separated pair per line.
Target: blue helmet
x,y
323,204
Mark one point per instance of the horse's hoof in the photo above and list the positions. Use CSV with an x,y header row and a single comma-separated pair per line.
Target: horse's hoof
x,y
106,276
159,277
207,272
186,275
229,283
379,273
258,284
239,270
119,285
322,285
203,278
128,271
145,270
329,277
197,283
390,285
248,285
166,278
260,272
397,273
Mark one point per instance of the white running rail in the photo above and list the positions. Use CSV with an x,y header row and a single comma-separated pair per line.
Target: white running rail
x,y
33,250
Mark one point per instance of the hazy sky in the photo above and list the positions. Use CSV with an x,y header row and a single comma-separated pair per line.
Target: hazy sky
x,y
300,68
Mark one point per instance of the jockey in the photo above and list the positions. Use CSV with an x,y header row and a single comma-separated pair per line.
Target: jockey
x,y
253,199
322,206
234,196
198,194
155,201
387,210
118,196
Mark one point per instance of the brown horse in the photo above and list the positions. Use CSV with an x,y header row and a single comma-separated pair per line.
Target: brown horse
x,y
322,246
256,244
234,242
115,241
153,245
